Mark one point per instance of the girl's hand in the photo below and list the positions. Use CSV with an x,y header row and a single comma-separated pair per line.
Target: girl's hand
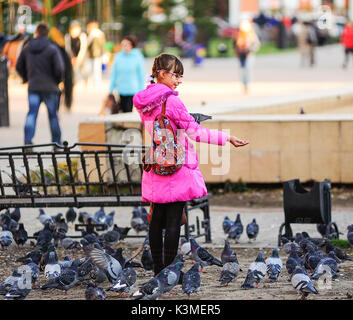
x,y
236,142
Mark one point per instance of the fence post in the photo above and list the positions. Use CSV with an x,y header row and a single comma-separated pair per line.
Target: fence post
x,y
4,98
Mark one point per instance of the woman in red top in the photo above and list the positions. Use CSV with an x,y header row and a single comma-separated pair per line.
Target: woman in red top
x,y
347,41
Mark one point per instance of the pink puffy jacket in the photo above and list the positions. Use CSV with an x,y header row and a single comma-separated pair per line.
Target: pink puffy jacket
x,y
187,183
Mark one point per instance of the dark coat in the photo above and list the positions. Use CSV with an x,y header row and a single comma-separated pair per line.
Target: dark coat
x,y
41,64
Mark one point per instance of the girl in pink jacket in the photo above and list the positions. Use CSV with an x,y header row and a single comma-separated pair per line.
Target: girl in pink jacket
x,y
168,194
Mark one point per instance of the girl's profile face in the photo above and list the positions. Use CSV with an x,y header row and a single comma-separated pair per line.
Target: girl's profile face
x,y
169,78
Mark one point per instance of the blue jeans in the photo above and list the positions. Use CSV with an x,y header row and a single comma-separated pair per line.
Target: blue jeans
x,y
51,100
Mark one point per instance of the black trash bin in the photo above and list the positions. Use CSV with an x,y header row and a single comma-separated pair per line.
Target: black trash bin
x,y
304,206
4,98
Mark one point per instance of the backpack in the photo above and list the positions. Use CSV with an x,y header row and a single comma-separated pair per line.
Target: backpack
x,y
166,155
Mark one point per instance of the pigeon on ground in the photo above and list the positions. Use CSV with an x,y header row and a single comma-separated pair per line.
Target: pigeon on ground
x,y
43,217
227,224
312,258
287,245
191,281
144,215
70,244
125,281
70,215
228,255
52,268
35,255
66,263
6,239
45,236
321,228
236,230
338,252
109,265
257,270
350,234
302,283
185,247
110,237
6,285
146,259
20,289
252,230
201,255
293,260
315,242
298,237
137,223
67,279
327,268
108,219
16,214
118,255
45,257
33,268
274,265
20,236
94,292
7,223
86,268
99,215
152,289
229,273
173,272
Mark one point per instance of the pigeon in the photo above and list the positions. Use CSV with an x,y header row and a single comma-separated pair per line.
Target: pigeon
x,y
321,228
9,282
20,289
257,270
137,223
199,117
338,252
144,215
108,219
118,255
229,273
62,225
191,281
66,263
45,257
58,236
45,236
6,239
109,265
201,255
236,230
67,279
252,230
32,268
298,237
110,237
35,256
70,215
227,224
70,244
302,283
152,289
52,268
86,268
99,215
16,214
274,265
312,258
350,234
185,246
228,255
293,260
94,292
8,223
328,267
125,281
173,272
43,217
146,259
20,236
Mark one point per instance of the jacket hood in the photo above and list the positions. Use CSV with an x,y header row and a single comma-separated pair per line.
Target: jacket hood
x,y
152,97
37,45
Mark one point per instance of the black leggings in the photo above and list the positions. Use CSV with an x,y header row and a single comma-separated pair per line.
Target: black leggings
x,y
126,103
165,216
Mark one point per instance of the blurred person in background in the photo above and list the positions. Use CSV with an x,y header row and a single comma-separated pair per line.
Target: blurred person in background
x,y
76,47
95,51
347,42
127,75
246,43
306,41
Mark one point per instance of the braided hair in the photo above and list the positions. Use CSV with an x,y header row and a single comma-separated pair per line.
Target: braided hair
x,y
167,62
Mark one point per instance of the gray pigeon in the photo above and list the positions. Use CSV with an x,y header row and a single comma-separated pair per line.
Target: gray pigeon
x,y
312,258
99,215
302,283
152,289
201,255
293,260
70,244
228,255
199,117
44,218
146,259
20,289
6,239
173,272
229,273
9,281
227,224
350,234
20,236
185,247
191,281
94,292
257,270
125,282
137,223
16,214
236,230
108,219
252,230
274,265
321,268
287,245
338,252
70,215
109,265
67,279
52,268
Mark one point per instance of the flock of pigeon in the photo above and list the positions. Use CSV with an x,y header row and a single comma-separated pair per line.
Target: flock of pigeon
x,y
308,259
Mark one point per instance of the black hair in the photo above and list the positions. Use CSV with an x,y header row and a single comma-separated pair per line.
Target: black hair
x,y
167,62
42,29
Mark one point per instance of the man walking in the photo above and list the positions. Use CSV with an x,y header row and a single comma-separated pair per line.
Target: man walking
x,y
41,65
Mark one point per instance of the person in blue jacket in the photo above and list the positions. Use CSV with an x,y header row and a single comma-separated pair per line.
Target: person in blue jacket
x,y
128,72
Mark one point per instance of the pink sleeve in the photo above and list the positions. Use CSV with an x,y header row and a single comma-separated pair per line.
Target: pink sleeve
x,y
179,114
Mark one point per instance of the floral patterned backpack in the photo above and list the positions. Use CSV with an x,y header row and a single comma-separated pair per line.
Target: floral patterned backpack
x,y
166,155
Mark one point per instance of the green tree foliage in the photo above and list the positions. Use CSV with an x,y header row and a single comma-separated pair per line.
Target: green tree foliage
x,y
134,19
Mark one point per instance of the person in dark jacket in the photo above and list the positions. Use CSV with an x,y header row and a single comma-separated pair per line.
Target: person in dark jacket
x,y
41,65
